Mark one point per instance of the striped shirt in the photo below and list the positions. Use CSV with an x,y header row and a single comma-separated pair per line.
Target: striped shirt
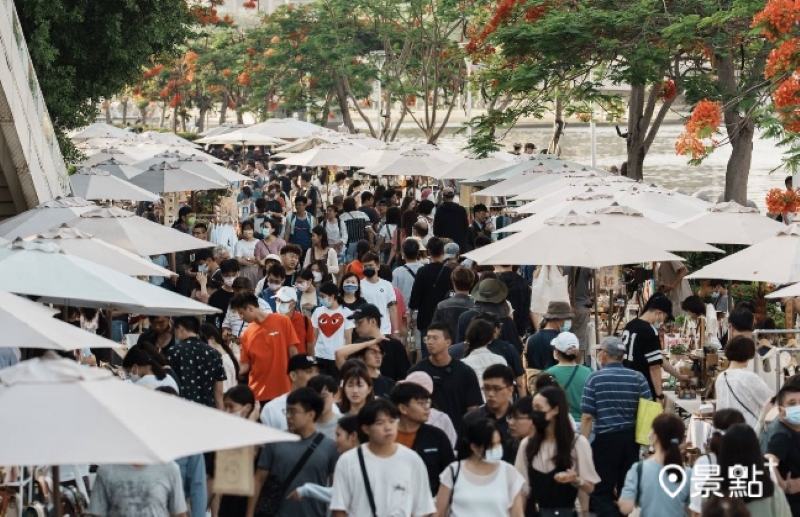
x,y
611,396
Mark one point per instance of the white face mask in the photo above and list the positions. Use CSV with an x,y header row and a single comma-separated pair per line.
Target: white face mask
x,y
274,286
301,286
494,455
317,276
228,280
284,307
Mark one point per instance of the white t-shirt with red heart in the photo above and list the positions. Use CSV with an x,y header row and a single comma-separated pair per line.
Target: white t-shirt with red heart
x,y
331,324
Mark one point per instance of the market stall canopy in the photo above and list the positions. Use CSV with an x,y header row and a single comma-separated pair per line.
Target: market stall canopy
x,y
511,186
573,181
287,128
150,149
133,233
45,216
438,152
93,183
328,138
472,167
597,191
43,270
411,163
81,244
242,137
673,205
28,324
221,130
87,415
199,165
96,130
165,138
775,260
108,153
729,223
383,155
118,169
164,177
572,240
340,155
792,291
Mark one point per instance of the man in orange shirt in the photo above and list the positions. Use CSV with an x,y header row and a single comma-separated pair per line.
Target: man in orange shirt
x,y
286,304
267,344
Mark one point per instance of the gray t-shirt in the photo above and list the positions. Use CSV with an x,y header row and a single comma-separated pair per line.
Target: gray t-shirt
x,y
149,491
280,458
329,427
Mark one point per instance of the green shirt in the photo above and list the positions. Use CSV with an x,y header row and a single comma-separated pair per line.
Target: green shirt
x,y
575,388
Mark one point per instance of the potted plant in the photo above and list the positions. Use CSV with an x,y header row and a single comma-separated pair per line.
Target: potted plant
x,y
678,352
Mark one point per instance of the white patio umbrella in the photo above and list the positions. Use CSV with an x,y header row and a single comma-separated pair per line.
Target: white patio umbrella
x,y
41,269
572,240
516,184
163,177
340,155
242,137
45,216
411,163
438,152
93,183
224,128
81,244
580,204
564,196
472,167
775,260
199,165
730,223
159,158
287,128
327,138
133,233
165,138
792,291
383,155
108,153
96,130
28,324
673,205
87,415
118,169
147,150
574,181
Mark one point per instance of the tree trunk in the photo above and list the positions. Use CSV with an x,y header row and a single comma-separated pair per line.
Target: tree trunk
x,y
558,126
175,119
344,106
636,136
741,131
201,121
125,112
223,111
143,115
239,116
108,112
163,113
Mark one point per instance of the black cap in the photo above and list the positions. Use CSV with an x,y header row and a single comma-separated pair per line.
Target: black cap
x,y
301,362
366,311
659,302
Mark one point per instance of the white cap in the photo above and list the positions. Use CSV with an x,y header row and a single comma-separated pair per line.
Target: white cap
x,y
286,294
566,343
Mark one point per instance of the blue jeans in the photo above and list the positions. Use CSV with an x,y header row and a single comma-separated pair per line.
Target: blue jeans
x,y
350,253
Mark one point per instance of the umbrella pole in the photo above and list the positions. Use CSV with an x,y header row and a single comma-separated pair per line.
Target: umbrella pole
x,y
56,491
596,311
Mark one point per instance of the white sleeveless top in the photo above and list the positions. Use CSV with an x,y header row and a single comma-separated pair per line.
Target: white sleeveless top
x,y
474,494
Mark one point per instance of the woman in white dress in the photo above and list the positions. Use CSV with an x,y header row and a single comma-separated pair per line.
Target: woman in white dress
x,y
480,483
245,253
740,388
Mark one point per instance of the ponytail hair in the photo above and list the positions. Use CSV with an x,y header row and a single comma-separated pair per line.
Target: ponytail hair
x,y
138,356
669,431
723,420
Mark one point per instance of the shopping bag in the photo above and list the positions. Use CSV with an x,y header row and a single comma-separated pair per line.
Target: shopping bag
x,y
647,412
234,471
548,285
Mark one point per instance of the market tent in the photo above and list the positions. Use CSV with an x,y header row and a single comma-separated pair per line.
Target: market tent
x,y
287,128
472,167
341,155
133,233
730,223
96,130
673,205
44,216
198,164
118,169
587,191
328,138
164,178
775,260
165,138
81,244
92,183
382,155
791,291
411,163
242,137
87,415
572,240
28,324
43,270
221,130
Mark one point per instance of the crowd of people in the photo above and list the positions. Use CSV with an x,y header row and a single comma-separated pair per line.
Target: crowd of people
x,y
421,383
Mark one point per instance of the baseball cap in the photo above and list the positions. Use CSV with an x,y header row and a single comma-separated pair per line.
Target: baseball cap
x,y
451,249
448,192
421,378
286,294
301,362
566,343
273,256
365,311
613,345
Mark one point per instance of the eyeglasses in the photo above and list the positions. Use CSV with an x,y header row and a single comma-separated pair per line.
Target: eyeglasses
x,y
487,388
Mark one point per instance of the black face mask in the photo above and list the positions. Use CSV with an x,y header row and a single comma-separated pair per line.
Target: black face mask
x,y
370,272
539,419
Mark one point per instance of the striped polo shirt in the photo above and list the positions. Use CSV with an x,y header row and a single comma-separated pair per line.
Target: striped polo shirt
x,y
611,396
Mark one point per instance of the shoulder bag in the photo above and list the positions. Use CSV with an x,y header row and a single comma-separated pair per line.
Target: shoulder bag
x,y
274,492
367,486
453,490
647,411
725,376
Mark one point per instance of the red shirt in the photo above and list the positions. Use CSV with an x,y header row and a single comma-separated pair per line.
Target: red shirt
x,y
303,329
265,347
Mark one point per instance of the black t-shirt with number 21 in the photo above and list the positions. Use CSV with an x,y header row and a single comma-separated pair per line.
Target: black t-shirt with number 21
x,y
644,349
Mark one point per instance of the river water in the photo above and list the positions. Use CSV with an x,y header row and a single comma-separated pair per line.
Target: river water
x,y
662,165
